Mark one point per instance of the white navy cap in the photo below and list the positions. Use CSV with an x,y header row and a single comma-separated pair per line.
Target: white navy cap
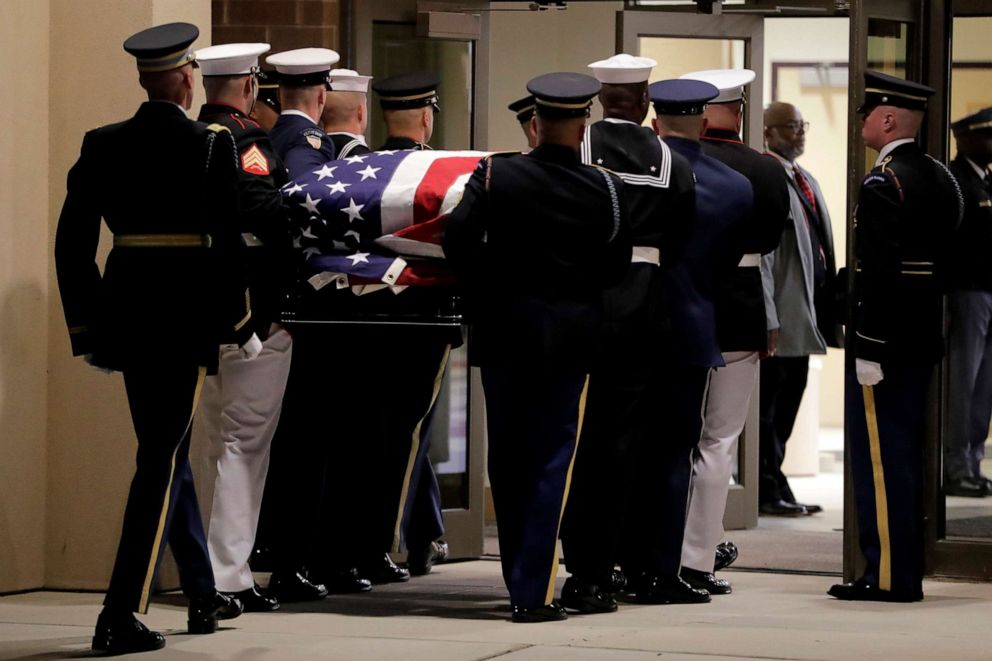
x,y
303,66
346,80
230,59
623,68
730,82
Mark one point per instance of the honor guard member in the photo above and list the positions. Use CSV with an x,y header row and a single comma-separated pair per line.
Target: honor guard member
x,y
171,291
622,410
742,327
723,201
345,118
908,208
297,136
242,402
346,112
524,110
800,283
409,103
267,107
970,302
536,335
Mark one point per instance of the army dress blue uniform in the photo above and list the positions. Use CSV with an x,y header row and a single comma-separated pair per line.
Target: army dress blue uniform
x,y
970,331
909,206
172,290
537,238
622,413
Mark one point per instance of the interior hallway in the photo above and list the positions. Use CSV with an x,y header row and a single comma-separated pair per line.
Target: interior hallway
x,y
460,612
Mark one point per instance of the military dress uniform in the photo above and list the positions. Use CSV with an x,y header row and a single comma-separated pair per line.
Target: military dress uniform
x,y
535,334
241,405
969,399
622,411
723,201
908,208
741,327
172,290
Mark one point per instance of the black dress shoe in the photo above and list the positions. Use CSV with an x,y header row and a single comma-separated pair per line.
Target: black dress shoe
x,y
668,590
346,581
616,584
553,612
121,633
704,580
421,559
862,590
966,487
382,569
781,508
254,601
586,598
204,611
295,586
726,554
810,509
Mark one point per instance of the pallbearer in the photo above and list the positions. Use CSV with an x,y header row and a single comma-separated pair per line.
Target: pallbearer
x,y
524,111
171,291
346,112
538,237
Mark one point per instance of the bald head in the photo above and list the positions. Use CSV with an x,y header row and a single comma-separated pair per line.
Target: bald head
x,y
345,111
785,133
627,101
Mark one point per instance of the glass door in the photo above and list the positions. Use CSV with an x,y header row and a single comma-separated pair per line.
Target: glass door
x,y
384,42
693,42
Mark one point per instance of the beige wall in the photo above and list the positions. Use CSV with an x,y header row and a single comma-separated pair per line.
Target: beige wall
x,y
90,440
526,44
24,286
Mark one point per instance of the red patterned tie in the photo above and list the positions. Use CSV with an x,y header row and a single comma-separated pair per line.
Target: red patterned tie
x,y
805,188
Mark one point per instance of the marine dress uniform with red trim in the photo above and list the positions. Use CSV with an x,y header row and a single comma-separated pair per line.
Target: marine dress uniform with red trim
x,y
908,208
241,404
538,237
171,291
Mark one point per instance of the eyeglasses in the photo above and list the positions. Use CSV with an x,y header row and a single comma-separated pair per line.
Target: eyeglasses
x,y
795,126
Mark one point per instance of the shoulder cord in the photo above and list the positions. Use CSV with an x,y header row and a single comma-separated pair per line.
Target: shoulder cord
x,y
957,186
614,200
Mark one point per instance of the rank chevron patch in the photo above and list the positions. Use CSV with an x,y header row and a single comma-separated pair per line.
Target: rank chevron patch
x,y
254,161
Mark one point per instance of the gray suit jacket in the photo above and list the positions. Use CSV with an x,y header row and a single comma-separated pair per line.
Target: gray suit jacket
x,y
787,276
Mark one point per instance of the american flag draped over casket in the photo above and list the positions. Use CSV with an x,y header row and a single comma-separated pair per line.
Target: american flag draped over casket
x,y
376,220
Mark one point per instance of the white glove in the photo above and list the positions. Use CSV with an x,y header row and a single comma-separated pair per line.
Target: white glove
x,y
88,359
251,348
869,373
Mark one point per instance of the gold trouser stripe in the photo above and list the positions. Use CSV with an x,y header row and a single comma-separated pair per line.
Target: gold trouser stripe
x,y
550,594
150,572
881,500
414,448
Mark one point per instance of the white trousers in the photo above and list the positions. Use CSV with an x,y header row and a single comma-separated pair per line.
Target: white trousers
x,y
239,412
727,403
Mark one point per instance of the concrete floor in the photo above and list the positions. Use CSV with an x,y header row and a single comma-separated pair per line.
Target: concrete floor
x,y
460,612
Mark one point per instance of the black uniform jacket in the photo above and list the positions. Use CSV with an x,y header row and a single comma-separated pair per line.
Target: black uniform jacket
x,y
660,199
740,304
301,144
538,237
908,209
158,173
264,222
971,263
348,144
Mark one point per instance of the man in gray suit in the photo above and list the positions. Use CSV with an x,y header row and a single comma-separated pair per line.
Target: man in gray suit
x,y
799,278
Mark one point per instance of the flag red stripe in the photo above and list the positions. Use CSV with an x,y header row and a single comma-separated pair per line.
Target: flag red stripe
x,y
439,177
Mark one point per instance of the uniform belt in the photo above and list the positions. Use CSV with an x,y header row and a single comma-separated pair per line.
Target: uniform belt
x,y
162,241
750,259
646,254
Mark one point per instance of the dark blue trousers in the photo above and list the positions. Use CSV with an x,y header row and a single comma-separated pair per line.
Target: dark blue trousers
x,y
886,430
969,401
533,420
161,504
